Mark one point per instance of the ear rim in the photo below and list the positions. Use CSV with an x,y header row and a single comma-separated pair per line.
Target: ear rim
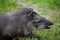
x,y
30,11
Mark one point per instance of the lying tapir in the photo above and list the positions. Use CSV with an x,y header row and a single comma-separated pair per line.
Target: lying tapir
x,y
21,23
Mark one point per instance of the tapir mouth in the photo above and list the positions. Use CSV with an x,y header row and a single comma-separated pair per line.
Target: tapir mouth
x,y
47,27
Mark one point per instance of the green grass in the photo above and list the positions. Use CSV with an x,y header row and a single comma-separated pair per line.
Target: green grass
x,y
54,4
49,8
6,5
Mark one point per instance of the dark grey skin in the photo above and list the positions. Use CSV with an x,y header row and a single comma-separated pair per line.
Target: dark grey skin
x,y
22,22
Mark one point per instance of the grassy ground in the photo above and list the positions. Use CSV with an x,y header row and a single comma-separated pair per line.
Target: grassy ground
x,y
49,9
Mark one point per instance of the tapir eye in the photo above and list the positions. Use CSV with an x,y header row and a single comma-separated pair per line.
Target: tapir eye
x,y
36,21
39,21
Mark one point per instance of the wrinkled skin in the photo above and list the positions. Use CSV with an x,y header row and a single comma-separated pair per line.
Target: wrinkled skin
x,y
21,23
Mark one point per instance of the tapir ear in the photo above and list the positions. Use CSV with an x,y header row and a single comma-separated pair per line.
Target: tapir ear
x,y
30,11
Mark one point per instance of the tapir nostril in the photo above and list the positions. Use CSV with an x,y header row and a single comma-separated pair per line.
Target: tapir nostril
x,y
51,23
